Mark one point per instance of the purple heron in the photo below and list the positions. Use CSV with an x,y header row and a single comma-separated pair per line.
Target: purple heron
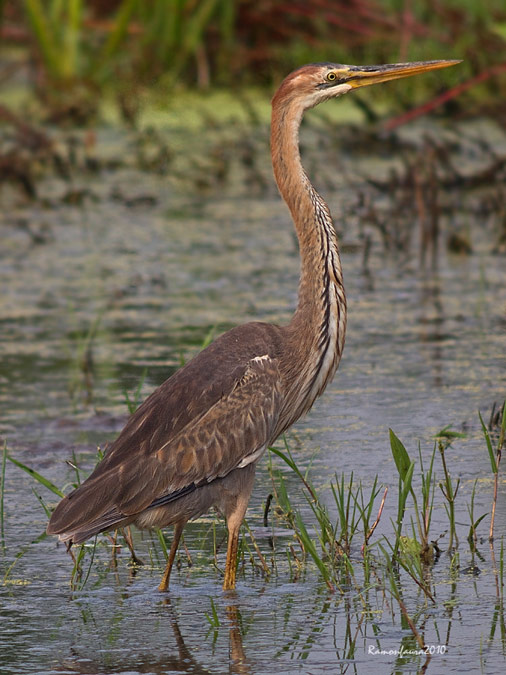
x,y
196,440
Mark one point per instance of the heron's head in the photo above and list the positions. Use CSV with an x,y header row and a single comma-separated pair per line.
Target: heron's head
x,y
318,82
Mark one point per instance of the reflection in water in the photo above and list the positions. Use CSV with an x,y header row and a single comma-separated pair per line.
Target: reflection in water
x,y
238,662
432,321
182,662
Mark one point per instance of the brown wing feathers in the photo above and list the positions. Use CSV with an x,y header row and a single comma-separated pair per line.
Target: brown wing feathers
x,y
211,416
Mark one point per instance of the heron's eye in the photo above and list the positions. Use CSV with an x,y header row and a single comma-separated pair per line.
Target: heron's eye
x,y
331,77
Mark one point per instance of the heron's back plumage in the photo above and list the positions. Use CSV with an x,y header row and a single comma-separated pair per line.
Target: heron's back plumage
x,y
212,416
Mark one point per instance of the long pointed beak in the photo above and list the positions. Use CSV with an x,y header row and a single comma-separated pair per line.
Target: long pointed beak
x,y
362,76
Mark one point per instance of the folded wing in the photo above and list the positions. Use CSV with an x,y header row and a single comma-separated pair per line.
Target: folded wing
x,y
186,434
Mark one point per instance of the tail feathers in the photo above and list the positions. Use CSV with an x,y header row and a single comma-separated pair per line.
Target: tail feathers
x,y
108,521
92,509
84,513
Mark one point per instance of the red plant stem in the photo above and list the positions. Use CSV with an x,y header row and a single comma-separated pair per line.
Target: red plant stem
x,y
375,524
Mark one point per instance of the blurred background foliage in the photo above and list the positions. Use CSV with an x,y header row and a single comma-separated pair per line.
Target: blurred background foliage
x,y
73,52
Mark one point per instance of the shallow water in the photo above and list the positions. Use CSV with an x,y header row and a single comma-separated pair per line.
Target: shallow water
x,y
150,282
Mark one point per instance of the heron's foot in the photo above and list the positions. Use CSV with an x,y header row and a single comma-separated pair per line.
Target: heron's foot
x,y
137,561
230,574
164,585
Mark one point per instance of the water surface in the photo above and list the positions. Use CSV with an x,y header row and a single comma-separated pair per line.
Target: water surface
x,y
132,289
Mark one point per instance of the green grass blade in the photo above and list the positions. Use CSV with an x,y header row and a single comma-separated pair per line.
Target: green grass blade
x,y
34,474
227,18
55,12
163,543
284,457
93,551
448,433
71,37
215,613
407,482
21,553
503,427
282,493
213,619
400,455
45,36
478,521
489,445
191,33
47,510
196,24
209,337
120,28
133,403
311,549
2,493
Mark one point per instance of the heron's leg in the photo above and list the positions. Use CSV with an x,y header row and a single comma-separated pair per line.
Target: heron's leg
x,y
127,535
231,564
178,531
235,514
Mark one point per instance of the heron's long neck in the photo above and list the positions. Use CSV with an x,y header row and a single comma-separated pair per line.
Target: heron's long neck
x,y
318,326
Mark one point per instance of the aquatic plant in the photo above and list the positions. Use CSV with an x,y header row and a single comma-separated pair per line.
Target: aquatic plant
x,y
2,493
495,460
133,400
88,47
449,490
65,50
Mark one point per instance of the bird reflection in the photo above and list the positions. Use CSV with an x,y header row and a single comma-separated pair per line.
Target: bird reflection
x,y
238,662
181,662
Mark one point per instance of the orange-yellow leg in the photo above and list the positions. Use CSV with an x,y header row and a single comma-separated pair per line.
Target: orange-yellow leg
x,y
231,564
178,531
235,510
